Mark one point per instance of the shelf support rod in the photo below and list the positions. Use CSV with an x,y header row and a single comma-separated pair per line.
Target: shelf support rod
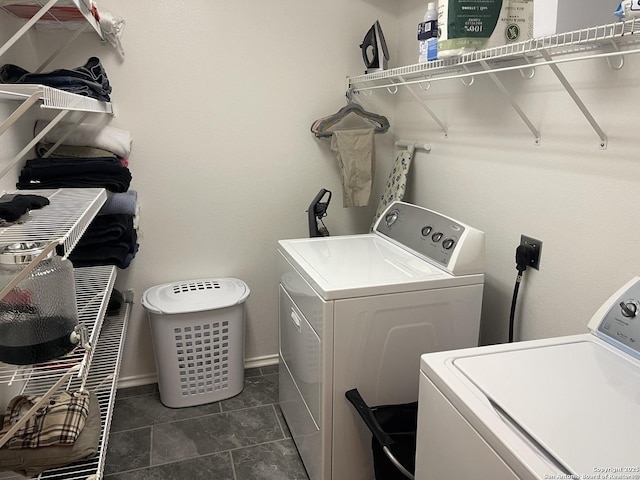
x,y
32,143
572,93
516,107
620,63
426,108
55,54
18,112
66,134
9,43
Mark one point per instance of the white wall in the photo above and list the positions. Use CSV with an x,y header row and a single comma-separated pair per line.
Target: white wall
x,y
579,200
219,98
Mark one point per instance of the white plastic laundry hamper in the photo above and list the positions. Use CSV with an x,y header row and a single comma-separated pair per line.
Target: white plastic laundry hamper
x,y
197,328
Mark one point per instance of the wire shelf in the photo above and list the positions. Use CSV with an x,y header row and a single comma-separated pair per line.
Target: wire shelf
x,y
68,14
53,98
581,43
64,220
93,285
102,378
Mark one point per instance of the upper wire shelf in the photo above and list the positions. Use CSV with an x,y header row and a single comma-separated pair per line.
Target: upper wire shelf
x,y
59,225
529,53
63,221
54,99
61,13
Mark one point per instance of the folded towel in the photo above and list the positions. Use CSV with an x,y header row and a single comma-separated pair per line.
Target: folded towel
x,y
120,203
108,138
70,151
96,172
107,228
108,240
355,152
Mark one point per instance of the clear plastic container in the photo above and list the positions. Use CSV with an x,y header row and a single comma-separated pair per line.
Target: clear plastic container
x,y
39,316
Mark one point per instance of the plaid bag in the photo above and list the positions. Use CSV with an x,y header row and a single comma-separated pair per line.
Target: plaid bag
x,y
57,423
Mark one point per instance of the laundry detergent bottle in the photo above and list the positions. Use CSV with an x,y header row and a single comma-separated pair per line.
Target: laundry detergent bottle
x,y
428,35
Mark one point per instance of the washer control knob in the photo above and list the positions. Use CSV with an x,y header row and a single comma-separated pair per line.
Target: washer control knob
x,y
629,308
391,217
448,243
436,237
426,230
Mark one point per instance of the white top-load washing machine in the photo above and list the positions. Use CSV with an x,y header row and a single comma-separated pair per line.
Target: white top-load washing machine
x,y
357,311
559,408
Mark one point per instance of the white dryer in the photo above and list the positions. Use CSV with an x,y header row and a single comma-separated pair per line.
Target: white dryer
x,y
566,407
357,311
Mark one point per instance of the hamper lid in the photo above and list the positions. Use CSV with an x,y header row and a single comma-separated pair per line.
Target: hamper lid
x,y
195,295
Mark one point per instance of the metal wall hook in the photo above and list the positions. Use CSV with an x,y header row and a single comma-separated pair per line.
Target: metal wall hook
x,y
464,80
620,58
617,66
423,87
468,82
393,91
350,93
528,73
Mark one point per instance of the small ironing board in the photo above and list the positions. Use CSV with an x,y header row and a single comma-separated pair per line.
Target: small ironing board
x,y
396,183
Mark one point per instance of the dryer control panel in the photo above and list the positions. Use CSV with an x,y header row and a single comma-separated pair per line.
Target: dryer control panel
x,y
452,245
621,322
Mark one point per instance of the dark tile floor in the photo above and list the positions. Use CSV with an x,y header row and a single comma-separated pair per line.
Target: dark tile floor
x,y
241,438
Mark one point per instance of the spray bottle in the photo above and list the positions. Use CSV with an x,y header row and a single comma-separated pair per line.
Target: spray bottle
x,y
428,35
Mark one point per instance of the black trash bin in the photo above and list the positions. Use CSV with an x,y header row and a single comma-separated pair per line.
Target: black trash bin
x,y
394,436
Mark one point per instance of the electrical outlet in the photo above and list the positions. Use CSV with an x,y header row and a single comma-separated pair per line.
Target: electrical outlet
x,y
537,247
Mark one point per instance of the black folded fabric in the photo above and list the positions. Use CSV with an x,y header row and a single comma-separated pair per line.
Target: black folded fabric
x,y
12,207
109,240
116,299
57,167
96,172
106,229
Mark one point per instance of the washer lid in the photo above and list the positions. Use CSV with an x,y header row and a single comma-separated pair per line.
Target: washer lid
x,y
361,265
579,401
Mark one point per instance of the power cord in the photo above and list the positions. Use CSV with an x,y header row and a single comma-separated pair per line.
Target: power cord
x,y
524,254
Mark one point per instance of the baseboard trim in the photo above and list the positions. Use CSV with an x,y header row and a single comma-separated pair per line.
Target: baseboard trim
x,y
265,361
145,379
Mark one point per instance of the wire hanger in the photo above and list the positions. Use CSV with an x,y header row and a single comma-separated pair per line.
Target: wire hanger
x,y
320,127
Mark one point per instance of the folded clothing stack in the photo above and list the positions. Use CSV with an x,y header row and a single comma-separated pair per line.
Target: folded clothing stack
x,y
109,240
103,172
65,430
109,140
91,156
89,80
